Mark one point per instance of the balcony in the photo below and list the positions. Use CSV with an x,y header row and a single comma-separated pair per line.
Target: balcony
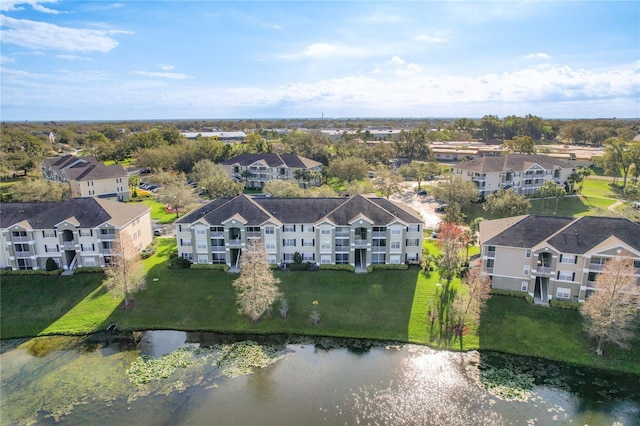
x,y
235,242
23,254
21,239
342,247
488,269
596,267
217,234
360,242
254,234
342,234
68,245
379,234
107,236
543,270
491,254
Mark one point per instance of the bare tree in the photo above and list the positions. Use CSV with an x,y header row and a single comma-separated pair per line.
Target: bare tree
x,y
256,287
609,313
39,190
468,304
386,181
125,272
174,192
450,242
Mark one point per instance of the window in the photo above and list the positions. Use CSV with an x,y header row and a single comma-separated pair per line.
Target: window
x,y
342,258
525,270
186,256
86,247
325,245
25,264
185,242
50,233
325,260
106,245
379,242
107,232
86,232
394,260
22,247
217,257
51,248
201,231
289,228
567,258
566,276
413,228
413,242
289,242
308,257
527,254
203,258
287,257
396,231
201,244
395,245
308,242
89,261
325,231
563,293
271,258
524,285
19,233
269,230
378,258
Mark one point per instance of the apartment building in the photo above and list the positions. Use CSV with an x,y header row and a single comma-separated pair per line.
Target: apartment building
x,y
88,177
74,233
523,173
358,231
554,257
268,166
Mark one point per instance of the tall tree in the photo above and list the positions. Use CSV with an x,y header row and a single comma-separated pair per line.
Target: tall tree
x,y
454,189
256,287
547,190
125,272
414,144
506,203
612,309
174,191
348,169
214,181
386,181
521,145
39,190
491,127
450,242
617,156
283,188
419,171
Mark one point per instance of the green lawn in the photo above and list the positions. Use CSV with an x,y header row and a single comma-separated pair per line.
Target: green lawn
x,y
571,206
387,305
158,210
601,186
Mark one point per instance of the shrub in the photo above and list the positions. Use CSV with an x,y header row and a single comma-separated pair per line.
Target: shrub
x,y
217,267
176,262
387,267
149,251
51,264
513,293
329,267
298,266
297,257
565,304
284,307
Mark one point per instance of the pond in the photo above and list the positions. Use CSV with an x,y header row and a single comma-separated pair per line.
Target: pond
x,y
102,379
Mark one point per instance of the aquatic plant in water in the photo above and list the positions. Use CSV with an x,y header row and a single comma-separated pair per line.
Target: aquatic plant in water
x,y
506,384
145,368
238,359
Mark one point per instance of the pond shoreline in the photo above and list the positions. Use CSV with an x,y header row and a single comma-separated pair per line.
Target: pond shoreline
x,y
355,345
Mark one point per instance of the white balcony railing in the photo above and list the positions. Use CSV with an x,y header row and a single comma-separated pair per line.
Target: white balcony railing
x,y
543,270
68,245
235,243
360,242
21,239
491,253
488,269
596,266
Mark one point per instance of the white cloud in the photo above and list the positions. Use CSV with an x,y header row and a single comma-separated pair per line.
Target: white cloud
x,y
430,39
12,5
6,60
169,75
271,26
166,67
43,36
324,50
539,55
74,58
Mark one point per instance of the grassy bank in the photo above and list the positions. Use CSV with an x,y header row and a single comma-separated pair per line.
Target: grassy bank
x,y
387,305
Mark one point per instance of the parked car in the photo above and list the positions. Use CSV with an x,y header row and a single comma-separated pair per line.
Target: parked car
x,y
434,234
422,192
442,208
157,232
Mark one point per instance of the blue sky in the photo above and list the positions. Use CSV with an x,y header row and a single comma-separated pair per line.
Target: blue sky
x,y
103,60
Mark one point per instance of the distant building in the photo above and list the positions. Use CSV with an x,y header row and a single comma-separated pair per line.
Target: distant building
x,y
268,166
221,136
88,177
357,231
523,173
74,233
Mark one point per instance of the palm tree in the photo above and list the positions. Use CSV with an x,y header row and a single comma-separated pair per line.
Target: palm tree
x,y
246,174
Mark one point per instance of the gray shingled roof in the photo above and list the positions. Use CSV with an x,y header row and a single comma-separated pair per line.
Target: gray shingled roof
x,y
88,168
517,162
301,210
273,160
530,231
88,211
589,231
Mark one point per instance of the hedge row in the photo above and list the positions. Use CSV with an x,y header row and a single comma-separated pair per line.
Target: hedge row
x,y
217,267
328,267
88,269
387,267
565,304
513,293
30,272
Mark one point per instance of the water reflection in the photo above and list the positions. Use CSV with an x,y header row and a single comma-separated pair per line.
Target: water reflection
x,y
316,382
